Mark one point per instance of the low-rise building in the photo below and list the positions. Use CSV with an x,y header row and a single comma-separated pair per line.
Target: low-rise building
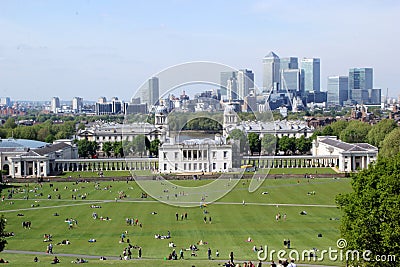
x,y
351,157
199,155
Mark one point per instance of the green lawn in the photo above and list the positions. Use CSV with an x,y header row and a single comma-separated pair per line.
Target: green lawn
x,y
232,222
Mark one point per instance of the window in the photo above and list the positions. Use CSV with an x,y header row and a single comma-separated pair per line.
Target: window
x,y
176,155
214,154
165,167
205,154
225,154
189,166
184,166
190,154
205,167
200,165
165,155
194,166
184,154
176,166
5,158
200,157
194,154
214,166
225,165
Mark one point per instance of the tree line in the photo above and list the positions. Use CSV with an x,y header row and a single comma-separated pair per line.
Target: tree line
x,y
269,144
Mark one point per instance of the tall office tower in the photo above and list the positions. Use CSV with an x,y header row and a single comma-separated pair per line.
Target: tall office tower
x,y
102,100
152,94
116,105
271,65
55,104
360,81
224,78
289,63
5,102
311,69
77,104
245,82
292,81
338,88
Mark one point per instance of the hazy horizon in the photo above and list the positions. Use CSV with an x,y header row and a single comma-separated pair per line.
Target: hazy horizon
x,y
107,48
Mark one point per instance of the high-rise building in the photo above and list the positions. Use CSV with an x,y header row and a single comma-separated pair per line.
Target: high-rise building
x,y
245,82
289,63
228,77
103,107
292,81
5,102
271,68
338,88
311,69
77,104
360,81
151,93
55,104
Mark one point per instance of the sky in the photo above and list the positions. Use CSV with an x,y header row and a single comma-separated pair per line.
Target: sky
x,y
93,48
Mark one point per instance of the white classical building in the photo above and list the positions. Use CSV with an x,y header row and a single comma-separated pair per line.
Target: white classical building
x,y
198,155
276,128
23,158
350,157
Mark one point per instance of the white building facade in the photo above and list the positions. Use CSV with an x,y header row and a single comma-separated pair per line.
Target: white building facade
x,y
198,156
350,157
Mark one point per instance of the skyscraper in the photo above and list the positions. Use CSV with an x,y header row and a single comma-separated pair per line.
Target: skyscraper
x,y
271,68
55,104
245,82
151,93
291,80
77,104
226,76
360,81
311,69
338,87
289,63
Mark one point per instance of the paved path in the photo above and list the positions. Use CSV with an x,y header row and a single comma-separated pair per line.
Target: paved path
x,y
117,258
92,202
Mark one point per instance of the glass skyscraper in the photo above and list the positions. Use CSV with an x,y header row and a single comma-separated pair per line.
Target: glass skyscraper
x,y
271,68
360,81
311,68
338,87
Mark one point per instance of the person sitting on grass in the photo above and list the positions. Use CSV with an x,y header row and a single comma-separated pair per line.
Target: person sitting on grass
x,y
55,260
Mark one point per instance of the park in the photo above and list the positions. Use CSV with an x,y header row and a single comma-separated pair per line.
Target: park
x,y
100,219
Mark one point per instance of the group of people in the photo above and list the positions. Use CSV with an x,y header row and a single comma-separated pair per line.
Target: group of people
x,y
127,252
278,217
183,216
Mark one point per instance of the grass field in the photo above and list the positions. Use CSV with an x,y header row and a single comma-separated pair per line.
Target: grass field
x,y
232,222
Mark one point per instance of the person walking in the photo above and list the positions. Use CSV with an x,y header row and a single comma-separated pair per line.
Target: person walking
x,y
209,253
231,256
140,252
181,254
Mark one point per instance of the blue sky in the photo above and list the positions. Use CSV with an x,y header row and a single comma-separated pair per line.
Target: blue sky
x,y
109,48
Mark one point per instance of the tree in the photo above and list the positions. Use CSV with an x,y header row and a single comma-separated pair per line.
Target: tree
x,y
287,144
391,144
83,148
238,135
139,142
254,142
338,127
355,132
268,144
154,146
10,124
118,149
3,241
107,148
327,131
303,145
379,131
371,219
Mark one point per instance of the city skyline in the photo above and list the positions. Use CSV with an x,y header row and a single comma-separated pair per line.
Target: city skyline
x,y
89,49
